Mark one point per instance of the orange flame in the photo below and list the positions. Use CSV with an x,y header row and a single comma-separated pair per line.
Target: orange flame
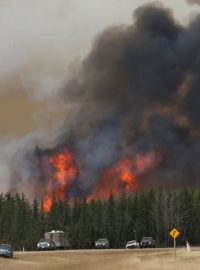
x,y
122,177
65,175
119,179
46,205
116,180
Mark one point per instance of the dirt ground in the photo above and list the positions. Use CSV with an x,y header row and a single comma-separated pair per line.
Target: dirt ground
x,y
151,259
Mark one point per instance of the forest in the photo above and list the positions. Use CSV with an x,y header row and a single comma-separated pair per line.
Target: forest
x,y
143,213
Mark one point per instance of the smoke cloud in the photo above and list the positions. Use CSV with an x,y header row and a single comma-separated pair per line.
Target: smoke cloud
x,y
15,165
131,82
41,42
136,91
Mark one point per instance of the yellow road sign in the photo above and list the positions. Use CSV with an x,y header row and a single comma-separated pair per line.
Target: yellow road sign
x,y
174,233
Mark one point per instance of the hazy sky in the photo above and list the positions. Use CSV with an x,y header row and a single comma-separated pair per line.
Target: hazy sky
x,y
40,40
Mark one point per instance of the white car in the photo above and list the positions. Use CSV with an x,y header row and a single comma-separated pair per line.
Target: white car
x,y
132,244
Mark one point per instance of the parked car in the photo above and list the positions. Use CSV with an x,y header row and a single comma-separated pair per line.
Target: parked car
x,y
147,242
132,244
102,243
46,244
6,250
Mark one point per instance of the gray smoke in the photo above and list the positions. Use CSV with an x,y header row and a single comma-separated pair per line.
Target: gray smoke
x,y
193,2
137,91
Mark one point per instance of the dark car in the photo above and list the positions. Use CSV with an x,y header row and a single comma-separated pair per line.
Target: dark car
x,y
147,242
102,243
46,244
6,250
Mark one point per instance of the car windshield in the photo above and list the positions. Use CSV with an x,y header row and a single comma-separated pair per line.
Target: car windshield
x,y
102,240
5,246
130,242
44,240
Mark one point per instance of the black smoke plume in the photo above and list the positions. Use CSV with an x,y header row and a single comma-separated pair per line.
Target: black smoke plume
x,y
138,90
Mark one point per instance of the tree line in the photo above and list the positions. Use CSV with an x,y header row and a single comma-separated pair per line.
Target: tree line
x,y
143,213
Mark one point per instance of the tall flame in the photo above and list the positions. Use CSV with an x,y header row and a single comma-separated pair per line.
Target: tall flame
x,y
64,176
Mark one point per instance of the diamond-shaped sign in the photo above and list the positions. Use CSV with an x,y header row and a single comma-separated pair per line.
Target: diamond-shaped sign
x,y
174,233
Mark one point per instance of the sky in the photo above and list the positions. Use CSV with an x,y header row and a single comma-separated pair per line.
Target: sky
x,y
42,44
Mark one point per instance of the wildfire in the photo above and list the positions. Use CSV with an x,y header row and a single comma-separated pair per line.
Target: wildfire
x,y
64,176
116,180
121,178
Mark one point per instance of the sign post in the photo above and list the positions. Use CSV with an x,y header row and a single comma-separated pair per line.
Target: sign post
x,y
174,233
